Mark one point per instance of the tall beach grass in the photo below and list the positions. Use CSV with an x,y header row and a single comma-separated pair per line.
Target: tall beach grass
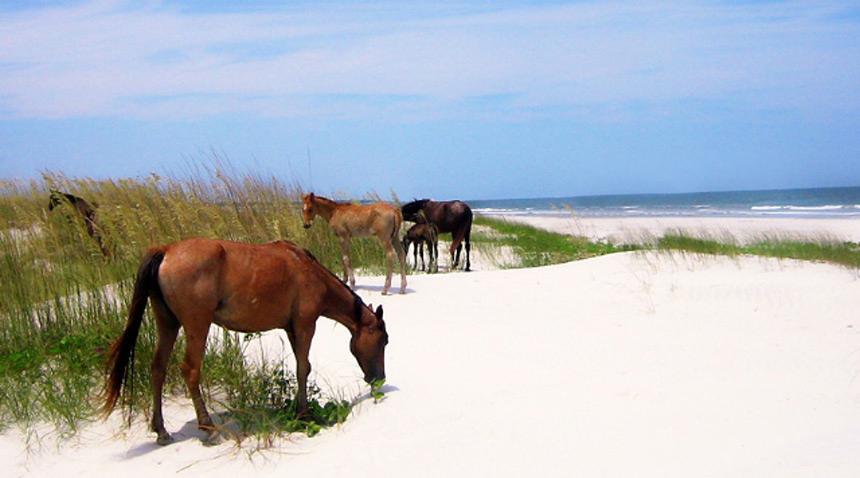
x,y
63,301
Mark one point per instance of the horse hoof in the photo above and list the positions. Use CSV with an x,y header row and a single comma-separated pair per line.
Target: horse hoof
x,y
213,439
164,439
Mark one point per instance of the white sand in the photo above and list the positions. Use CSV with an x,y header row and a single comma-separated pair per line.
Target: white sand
x,y
624,365
634,229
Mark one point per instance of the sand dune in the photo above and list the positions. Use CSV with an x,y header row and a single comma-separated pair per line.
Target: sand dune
x,y
624,365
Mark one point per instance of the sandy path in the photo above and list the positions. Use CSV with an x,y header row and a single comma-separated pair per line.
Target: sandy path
x,y
623,365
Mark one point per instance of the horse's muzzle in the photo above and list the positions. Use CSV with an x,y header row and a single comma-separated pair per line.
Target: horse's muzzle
x,y
307,226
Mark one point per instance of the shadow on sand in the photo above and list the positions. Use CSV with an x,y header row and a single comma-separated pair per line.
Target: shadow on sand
x,y
378,288
188,431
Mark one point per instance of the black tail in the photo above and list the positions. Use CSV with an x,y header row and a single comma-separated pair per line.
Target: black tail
x,y
120,361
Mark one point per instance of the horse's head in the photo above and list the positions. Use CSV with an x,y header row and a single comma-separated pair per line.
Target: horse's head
x,y
308,209
368,344
55,200
410,210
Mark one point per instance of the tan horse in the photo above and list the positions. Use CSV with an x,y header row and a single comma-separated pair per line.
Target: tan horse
x,y
242,287
356,220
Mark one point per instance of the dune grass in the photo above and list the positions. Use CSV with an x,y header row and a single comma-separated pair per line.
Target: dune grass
x,y
535,247
63,302
840,253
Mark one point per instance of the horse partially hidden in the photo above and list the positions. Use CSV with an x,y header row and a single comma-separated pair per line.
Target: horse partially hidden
x,y
349,220
419,235
243,287
87,212
449,216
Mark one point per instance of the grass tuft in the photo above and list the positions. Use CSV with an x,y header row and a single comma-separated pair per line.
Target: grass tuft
x,y
840,253
536,247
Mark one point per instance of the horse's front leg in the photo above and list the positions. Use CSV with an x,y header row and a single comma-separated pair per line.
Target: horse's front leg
x,y
300,336
347,266
421,253
389,264
401,257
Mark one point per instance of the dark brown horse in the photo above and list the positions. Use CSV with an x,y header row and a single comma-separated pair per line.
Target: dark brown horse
x,y
449,216
85,210
419,235
243,287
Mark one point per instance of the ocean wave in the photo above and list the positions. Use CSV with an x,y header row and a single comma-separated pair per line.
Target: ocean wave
x,y
689,210
767,208
828,207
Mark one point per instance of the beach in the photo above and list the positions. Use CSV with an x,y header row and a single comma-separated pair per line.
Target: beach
x,y
630,364
654,209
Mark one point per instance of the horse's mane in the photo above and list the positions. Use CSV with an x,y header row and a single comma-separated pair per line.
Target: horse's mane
x,y
357,303
329,201
412,208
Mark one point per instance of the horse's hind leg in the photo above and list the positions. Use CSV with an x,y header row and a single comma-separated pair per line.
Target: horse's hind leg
x,y
195,346
421,253
456,246
468,253
168,328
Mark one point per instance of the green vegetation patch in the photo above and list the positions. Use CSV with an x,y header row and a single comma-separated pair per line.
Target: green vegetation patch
x,y
841,253
538,247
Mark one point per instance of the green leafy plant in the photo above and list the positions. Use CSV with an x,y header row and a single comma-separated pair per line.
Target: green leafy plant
x,y
376,390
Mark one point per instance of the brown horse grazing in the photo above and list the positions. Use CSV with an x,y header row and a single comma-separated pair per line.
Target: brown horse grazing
x,y
242,287
349,220
449,216
85,210
418,235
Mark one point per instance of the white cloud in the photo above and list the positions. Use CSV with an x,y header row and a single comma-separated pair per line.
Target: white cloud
x,y
121,59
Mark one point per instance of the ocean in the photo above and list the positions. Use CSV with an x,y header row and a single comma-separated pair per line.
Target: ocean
x,y
815,202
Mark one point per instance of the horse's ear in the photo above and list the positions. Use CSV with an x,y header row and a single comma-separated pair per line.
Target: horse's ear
x,y
311,195
378,312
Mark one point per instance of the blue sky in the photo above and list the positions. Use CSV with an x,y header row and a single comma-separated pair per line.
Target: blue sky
x,y
442,99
